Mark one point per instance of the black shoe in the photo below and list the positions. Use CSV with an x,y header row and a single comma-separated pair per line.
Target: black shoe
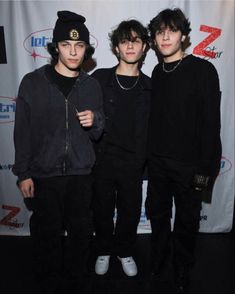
x,y
182,280
49,286
156,284
77,285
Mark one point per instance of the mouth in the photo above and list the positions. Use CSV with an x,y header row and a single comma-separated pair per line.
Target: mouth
x,y
165,46
73,60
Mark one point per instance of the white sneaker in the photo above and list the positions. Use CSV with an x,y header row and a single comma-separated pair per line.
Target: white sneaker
x,y
102,264
128,265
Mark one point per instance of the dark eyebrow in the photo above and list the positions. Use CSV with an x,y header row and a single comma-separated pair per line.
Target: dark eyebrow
x,y
78,42
131,38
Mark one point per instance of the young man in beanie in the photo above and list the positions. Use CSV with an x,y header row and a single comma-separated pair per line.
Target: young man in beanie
x,y
184,144
58,115
121,151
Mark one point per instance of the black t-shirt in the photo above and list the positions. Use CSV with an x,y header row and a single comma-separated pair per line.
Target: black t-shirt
x,y
122,134
64,83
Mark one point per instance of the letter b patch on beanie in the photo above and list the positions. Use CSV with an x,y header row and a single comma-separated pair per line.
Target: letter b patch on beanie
x,y
70,26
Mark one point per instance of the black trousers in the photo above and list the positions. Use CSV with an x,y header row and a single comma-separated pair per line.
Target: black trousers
x,y
117,185
61,203
167,180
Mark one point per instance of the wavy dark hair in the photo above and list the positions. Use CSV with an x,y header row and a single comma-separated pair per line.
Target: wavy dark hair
x,y
52,49
124,31
172,18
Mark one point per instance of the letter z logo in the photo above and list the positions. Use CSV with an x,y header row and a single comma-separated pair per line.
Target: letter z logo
x,y
7,220
201,48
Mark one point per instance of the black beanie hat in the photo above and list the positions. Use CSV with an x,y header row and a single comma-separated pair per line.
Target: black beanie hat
x,y
70,26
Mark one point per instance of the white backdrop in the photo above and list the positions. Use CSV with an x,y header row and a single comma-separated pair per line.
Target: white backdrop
x,y
26,27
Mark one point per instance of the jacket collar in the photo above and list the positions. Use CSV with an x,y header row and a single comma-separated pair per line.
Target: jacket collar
x,y
81,77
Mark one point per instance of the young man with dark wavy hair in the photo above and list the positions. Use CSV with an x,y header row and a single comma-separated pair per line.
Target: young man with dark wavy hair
x,y
184,144
58,116
121,151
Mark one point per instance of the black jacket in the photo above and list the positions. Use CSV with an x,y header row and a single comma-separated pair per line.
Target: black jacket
x,y
106,78
49,140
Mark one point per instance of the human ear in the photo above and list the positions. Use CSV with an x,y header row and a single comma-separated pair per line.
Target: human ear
x,y
117,50
144,46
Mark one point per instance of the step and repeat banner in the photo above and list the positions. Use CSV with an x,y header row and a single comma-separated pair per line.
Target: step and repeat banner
x,y
25,29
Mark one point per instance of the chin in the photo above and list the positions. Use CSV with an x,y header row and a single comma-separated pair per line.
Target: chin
x,y
132,61
166,55
74,67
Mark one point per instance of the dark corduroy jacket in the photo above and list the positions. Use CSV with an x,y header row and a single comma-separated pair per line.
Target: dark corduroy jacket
x,y
49,140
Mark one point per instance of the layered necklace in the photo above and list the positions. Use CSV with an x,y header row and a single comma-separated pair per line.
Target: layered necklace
x,y
125,88
175,67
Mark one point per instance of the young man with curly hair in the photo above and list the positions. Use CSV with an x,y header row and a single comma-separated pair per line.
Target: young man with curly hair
x,y
121,151
184,144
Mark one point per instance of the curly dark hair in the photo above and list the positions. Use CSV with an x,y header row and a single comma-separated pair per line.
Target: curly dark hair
x,y
124,31
52,49
172,18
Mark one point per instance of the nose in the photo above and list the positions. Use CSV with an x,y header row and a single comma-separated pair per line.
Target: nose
x,y
73,51
130,44
165,35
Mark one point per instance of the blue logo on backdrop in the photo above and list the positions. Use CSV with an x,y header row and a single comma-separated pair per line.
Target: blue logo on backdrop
x,y
225,165
36,43
7,109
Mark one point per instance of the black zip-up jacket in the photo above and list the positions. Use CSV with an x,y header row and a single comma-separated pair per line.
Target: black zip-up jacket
x,y
106,78
49,140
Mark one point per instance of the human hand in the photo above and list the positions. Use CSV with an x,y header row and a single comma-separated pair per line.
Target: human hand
x,y
27,188
86,118
200,182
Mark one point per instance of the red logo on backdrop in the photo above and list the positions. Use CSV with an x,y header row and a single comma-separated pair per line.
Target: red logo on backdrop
x,y
36,43
7,109
204,48
9,220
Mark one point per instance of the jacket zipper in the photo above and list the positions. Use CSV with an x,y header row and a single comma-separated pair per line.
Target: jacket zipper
x,y
67,128
66,138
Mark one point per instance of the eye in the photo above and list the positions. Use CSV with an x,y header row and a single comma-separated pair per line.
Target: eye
x,y
138,40
124,41
159,32
80,45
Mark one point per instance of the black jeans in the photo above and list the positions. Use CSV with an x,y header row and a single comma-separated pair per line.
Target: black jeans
x,y
167,180
117,184
61,203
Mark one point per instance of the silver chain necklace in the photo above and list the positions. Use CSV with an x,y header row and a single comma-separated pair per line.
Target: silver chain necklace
x,y
125,88
170,70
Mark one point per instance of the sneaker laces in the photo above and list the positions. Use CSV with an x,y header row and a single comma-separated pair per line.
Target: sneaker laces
x,y
127,260
103,258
